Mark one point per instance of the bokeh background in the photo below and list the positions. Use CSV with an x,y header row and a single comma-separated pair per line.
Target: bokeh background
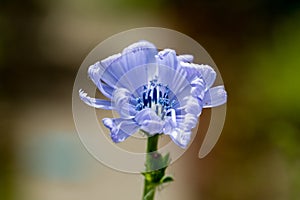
x,y
256,45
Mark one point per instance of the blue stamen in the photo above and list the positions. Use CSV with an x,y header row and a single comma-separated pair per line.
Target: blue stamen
x,y
155,96
150,102
144,99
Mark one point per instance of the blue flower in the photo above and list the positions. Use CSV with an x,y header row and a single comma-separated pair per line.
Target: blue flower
x,y
158,92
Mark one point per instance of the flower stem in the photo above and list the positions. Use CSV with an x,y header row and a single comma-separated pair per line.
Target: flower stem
x,y
152,143
149,184
156,165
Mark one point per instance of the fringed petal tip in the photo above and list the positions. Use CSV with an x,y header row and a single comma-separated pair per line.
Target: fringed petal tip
x,y
135,47
96,103
167,57
214,97
83,95
109,60
206,72
185,58
86,99
164,53
94,72
94,66
139,46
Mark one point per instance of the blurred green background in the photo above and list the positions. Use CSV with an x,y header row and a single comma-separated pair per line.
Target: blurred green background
x,y
256,45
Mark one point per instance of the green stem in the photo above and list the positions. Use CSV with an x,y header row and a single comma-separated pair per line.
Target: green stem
x,y
149,186
152,143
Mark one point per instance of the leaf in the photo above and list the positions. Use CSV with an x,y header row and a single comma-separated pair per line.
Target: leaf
x,y
167,179
166,159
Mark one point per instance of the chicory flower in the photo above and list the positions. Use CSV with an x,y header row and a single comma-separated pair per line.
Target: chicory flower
x,y
158,92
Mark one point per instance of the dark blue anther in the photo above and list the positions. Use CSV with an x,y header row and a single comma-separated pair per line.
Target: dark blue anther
x,y
160,101
145,101
149,95
173,102
149,101
166,96
138,100
155,95
139,107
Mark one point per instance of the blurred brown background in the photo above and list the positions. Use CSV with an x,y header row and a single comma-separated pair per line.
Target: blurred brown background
x,y
256,45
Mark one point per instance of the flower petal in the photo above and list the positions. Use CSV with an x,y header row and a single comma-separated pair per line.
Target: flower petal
x,y
198,88
96,75
180,137
135,79
205,72
146,114
152,127
149,121
187,122
215,96
175,80
167,57
181,134
137,54
190,69
96,103
189,105
120,129
185,58
122,102
208,74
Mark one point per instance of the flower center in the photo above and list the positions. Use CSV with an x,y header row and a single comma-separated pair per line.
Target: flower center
x,y
155,96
